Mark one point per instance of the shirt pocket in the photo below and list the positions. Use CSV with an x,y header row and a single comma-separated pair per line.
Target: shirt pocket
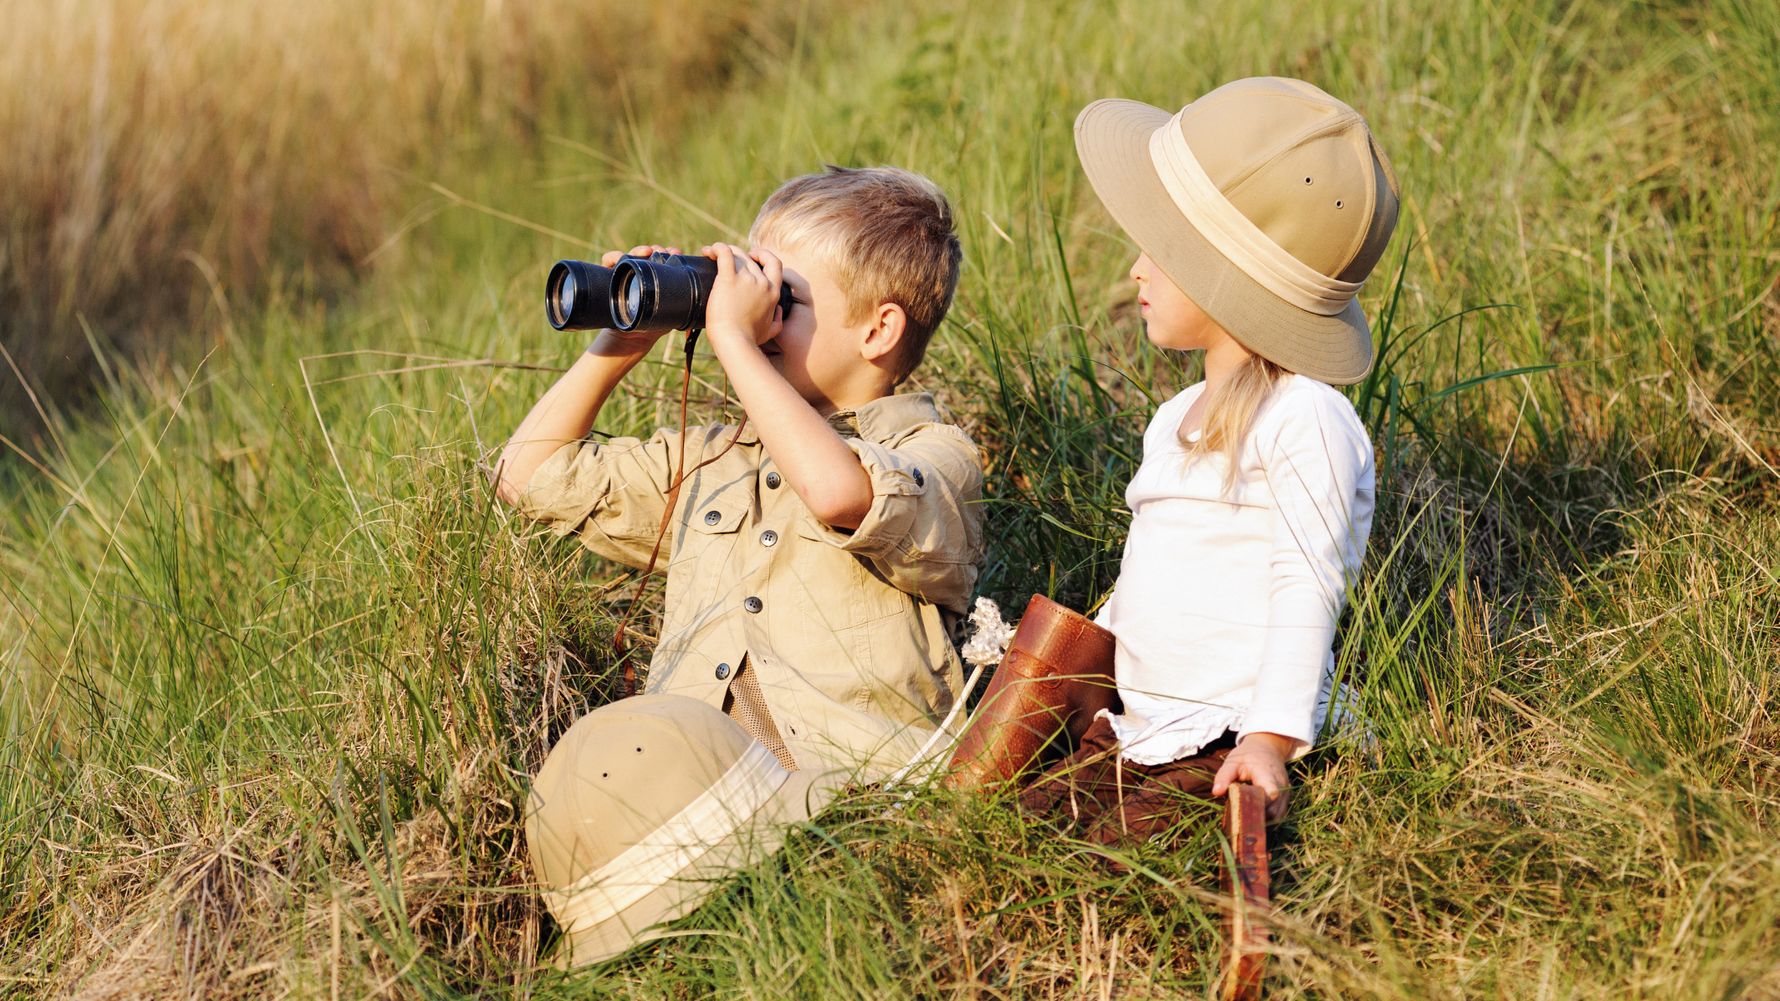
x,y
852,590
712,520
720,509
718,519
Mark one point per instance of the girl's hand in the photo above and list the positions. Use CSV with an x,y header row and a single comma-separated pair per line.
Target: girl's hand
x,y
744,302
1259,758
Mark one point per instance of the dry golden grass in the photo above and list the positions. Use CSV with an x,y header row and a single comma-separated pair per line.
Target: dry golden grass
x,y
164,159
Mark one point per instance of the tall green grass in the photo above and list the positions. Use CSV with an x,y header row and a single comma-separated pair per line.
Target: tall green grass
x,y
276,669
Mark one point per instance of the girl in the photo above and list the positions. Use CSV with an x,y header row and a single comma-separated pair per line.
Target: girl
x,y
1259,210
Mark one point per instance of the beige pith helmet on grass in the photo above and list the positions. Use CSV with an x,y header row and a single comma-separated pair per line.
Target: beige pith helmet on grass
x,y
641,805
1267,201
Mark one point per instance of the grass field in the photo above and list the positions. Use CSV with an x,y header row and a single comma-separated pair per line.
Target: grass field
x,y
276,668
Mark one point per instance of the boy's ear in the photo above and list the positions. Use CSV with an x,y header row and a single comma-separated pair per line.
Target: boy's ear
x,y
884,336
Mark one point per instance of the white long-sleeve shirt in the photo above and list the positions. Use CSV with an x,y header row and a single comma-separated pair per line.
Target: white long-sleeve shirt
x,y
1226,603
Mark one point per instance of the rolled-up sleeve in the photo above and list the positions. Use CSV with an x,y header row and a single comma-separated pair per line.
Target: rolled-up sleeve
x,y
1320,472
609,494
923,532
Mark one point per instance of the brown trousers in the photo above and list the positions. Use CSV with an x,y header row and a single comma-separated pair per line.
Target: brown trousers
x,y
1108,801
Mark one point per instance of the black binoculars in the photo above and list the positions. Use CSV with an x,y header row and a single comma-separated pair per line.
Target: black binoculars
x,y
660,292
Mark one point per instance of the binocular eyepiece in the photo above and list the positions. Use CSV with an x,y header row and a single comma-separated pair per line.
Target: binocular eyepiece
x,y
656,293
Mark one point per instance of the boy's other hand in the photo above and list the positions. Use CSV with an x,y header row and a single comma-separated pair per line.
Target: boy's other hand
x,y
744,302
1259,758
610,257
621,342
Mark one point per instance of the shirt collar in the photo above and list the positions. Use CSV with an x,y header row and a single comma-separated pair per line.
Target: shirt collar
x,y
885,418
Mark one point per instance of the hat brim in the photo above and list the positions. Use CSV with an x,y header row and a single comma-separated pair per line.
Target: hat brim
x,y
1112,139
803,794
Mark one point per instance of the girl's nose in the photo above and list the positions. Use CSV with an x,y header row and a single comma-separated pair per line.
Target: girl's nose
x,y
1140,267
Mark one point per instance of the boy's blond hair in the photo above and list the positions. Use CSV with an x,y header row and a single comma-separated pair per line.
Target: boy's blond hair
x,y
886,232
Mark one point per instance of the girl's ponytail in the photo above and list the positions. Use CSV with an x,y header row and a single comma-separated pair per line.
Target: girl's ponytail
x,y
1229,413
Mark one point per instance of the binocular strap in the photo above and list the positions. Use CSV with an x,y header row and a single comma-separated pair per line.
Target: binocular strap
x,y
667,514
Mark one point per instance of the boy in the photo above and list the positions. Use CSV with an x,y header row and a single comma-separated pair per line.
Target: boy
x,y
816,555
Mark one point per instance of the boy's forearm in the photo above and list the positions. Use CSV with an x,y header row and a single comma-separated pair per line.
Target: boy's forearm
x,y
563,414
813,458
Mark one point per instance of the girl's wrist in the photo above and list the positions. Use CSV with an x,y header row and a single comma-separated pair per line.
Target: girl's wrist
x,y
1276,742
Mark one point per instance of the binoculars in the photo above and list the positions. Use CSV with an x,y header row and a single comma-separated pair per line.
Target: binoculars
x,y
655,293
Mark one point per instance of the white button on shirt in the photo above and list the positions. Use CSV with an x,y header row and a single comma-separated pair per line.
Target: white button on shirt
x,y
1226,603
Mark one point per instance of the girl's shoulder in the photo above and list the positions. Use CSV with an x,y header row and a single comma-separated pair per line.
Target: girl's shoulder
x,y
1305,393
1301,406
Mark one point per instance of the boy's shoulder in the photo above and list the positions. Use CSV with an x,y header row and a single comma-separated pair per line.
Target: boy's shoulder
x,y
897,418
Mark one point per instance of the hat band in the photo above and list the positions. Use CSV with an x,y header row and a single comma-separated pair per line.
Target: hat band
x,y
1245,245
648,865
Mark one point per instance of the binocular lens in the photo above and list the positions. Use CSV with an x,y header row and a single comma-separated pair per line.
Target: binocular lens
x,y
629,301
577,297
565,295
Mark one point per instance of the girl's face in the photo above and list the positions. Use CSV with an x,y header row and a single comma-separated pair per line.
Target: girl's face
x,y
1170,319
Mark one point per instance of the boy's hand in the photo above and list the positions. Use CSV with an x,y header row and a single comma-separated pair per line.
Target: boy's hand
x,y
566,412
627,342
744,306
1259,758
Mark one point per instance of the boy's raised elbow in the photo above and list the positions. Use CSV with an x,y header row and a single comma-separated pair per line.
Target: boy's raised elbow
x,y
844,509
509,487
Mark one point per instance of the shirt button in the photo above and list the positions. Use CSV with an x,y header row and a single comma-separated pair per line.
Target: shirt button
x,y
753,604
722,671
712,517
920,481
769,538
772,481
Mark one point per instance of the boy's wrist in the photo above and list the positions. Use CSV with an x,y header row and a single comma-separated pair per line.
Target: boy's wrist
x,y
729,337
609,343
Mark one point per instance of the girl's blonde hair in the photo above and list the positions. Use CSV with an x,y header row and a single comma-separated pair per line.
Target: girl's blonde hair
x,y
1230,411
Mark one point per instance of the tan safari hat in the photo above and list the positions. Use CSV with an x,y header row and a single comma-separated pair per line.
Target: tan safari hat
x,y
1267,201
641,806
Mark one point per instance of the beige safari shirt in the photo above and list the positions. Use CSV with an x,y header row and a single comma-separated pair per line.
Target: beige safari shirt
x,y
848,631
